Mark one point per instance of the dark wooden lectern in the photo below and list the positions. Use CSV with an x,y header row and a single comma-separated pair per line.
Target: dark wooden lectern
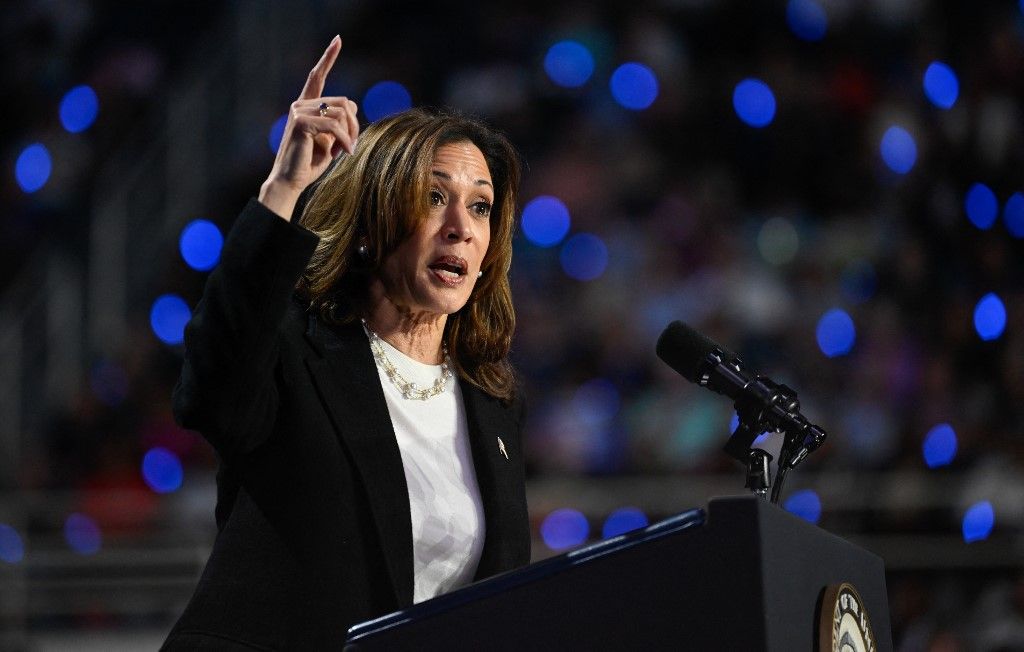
x,y
746,576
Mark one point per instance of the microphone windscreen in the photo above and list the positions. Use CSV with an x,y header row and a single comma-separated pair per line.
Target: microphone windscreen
x,y
685,349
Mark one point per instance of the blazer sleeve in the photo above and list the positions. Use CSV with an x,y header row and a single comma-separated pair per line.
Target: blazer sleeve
x,y
227,387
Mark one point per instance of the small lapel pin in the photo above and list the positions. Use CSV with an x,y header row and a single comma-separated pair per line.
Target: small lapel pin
x,y
501,448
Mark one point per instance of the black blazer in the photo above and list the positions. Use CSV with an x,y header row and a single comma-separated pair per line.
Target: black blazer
x,y
314,530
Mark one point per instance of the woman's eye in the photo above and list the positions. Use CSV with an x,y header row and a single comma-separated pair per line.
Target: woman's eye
x,y
482,208
436,198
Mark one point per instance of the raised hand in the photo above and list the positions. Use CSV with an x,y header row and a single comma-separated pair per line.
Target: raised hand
x,y
317,131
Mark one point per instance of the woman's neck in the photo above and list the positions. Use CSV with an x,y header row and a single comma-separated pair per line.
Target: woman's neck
x,y
417,335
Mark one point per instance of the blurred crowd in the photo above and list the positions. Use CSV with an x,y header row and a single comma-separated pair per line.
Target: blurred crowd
x,y
748,234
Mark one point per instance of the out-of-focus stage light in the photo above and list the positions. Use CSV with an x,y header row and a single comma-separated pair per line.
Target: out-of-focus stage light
x,y
82,534
33,167
385,98
168,317
836,333
1013,214
622,520
161,470
899,151
634,86
754,102
990,317
584,257
200,244
778,241
806,19
564,528
981,206
545,221
12,550
79,108
939,447
978,521
941,85
804,504
276,133
858,281
569,64
596,402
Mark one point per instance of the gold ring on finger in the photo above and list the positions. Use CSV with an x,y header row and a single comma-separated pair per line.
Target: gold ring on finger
x,y
323,109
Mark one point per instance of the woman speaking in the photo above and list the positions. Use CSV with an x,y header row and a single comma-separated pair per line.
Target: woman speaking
x,y
351,372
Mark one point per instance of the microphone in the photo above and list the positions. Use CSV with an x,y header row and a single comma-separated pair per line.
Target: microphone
x,y
761,403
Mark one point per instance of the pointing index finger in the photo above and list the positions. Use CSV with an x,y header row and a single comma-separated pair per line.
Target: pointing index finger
x,y
318,75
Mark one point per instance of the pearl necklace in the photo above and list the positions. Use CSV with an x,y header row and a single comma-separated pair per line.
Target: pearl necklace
x,y
409,390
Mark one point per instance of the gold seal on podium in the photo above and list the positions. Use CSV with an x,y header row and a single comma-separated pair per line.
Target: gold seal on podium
x,y
844,624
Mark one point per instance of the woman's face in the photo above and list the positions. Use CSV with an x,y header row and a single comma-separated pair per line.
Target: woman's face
x,y
435,269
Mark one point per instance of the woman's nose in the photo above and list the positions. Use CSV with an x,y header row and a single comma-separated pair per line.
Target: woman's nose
x,y
457,223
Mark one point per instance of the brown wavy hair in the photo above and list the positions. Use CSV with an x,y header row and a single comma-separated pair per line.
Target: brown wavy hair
x,y
381,193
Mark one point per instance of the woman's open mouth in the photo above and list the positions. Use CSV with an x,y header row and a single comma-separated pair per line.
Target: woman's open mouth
x,y
450,270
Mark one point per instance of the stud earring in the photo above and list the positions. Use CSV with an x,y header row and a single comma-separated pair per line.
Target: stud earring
x,y
480,273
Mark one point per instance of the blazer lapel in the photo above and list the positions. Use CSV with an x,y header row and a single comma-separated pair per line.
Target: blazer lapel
x,y
494,438
349,386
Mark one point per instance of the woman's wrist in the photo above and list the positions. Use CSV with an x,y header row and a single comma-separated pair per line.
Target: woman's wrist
x,y
279,198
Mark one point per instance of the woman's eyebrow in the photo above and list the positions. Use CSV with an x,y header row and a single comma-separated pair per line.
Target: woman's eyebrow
x,y
447,177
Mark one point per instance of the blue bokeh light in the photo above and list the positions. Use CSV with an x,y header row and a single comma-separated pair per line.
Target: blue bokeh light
x,y
569,64
990,317
584,257
634,86
545,221
978,521
804,504
82,534
1013,214
79,108
836,333
161,469
33,167
200,244
385,98
899,151
168,317
754,102
981,205
806,19
939,447
276,133
941,85
596,402
564,528
12,550
622,520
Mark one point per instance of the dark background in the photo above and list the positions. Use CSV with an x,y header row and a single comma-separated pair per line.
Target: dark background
x,y
680,194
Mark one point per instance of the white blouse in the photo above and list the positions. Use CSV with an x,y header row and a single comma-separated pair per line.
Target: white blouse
x,y
444,499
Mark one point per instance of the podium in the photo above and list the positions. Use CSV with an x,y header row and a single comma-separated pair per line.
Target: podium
x,y
745,575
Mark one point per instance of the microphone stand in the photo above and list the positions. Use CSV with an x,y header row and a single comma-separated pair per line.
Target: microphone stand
x,y
772,407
